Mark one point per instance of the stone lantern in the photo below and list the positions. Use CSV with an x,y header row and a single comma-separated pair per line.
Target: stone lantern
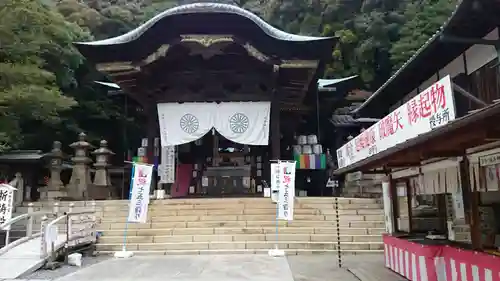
x,y
56,158
55,187
102,183
80,178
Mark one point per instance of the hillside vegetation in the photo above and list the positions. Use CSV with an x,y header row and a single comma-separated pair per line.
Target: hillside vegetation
x,y
47,90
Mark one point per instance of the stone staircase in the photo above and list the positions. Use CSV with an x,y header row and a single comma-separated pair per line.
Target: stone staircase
x,y
231,225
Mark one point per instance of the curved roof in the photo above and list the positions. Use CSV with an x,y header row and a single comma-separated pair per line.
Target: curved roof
x,y
205,8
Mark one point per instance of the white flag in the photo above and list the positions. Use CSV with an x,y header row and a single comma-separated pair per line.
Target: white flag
x,y
286,191
275,181
139,201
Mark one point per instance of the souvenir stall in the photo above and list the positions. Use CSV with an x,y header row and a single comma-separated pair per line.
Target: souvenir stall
x,y
485,181
439,225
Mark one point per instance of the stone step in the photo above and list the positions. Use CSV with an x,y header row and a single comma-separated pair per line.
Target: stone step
x,y
161,219
246,230
156,212
342,206
220,245
214,224
208,201
288,252
240,238
242,208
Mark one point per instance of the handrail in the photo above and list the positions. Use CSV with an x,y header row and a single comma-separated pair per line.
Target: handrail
x,y
19,242
21,217
47,226
69,237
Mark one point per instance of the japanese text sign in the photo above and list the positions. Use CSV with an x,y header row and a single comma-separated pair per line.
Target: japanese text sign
x,y
275,181
167,164
6,203
428,110
139,201
286,195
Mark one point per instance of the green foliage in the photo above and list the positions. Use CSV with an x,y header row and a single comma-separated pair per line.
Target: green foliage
x,y
375,36
47,91
424,19
37,60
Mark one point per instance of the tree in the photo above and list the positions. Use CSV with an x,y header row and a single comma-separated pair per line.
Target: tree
x,y
424,18
37,60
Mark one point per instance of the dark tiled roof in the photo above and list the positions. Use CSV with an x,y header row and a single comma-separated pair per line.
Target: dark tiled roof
x,y
342,120
22,155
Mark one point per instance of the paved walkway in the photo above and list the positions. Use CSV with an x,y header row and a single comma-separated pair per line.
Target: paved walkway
x,y
187,268
23,258
223,268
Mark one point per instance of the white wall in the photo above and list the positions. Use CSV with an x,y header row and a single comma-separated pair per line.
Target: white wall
x,y
479,55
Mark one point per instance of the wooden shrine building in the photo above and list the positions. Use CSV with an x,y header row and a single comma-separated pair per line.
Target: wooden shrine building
x,y
215,53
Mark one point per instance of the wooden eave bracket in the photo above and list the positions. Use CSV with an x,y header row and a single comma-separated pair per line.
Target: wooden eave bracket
x,y
468,95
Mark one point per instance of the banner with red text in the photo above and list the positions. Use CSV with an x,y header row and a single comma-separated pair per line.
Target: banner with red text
x,y
428,110
286,193
139,200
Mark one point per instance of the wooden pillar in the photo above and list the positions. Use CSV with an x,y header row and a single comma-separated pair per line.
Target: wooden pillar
x,y
152,124
275,130
471,202
275,117
394,202
409,196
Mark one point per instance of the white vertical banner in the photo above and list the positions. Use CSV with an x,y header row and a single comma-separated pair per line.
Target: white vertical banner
x,y
286,193
139,201
167,173
275,181
6,203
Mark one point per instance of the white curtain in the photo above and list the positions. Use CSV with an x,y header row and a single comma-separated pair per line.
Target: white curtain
x,y
240,122
244,122
184,123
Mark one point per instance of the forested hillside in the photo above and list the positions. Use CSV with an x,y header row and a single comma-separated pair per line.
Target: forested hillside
x,y
46,89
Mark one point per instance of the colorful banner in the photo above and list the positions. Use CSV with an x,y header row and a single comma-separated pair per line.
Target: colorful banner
x,y
6,203
286,192
275,181
310,161
139,199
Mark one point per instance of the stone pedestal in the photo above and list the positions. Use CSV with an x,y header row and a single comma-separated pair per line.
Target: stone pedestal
x,y
55,188
101,189
80,178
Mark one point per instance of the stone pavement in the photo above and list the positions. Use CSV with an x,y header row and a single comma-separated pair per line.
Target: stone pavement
x,y
187,268
24,258
224,268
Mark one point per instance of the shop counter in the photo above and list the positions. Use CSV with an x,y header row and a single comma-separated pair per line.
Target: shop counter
x,y
432,260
